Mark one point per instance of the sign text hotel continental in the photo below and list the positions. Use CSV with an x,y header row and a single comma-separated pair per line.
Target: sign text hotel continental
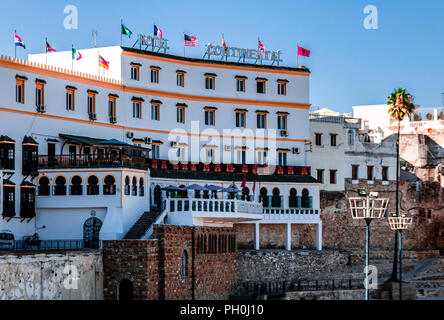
x,y
232,52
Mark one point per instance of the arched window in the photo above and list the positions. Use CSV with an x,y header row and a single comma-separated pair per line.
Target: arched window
x,y
43,186
351,138
264,197
127,186
141,187
293,199
76,188
93,186
134,193
306,199
60,186
109,188
276,198
184,264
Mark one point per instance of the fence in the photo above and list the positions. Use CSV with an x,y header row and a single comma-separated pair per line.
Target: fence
x,y
48,245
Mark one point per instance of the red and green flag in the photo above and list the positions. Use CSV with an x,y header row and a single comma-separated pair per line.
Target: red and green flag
x,y
49,48
76,54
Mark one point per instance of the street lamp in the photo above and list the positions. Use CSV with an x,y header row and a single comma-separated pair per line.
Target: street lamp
x,y
399,224
367,208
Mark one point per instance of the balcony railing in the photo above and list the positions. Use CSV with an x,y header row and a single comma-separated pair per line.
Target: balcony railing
x,y
96,161
209,206
49,245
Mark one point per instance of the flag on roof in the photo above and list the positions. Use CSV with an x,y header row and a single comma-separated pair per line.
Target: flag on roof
x,y
223,42
103,63
76,54
303,52
190,41
157,32
261,47
126,31
18,41
244,182
49,48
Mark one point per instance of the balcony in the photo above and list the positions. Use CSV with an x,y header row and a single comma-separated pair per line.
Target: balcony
x,y
212,212
91,161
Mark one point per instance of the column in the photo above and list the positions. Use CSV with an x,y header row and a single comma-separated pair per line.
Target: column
x,y
319,236
256,237
288,237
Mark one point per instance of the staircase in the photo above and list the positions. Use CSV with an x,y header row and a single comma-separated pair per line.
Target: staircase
x,y
141,226
429,279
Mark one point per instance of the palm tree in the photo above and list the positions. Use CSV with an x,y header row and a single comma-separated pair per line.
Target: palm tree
x,y
401,106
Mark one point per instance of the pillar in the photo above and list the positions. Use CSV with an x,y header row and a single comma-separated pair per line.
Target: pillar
x,y
319,236
256,236
288,237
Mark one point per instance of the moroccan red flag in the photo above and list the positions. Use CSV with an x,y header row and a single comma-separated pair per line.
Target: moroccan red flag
x,y
303,52
244,182
254,185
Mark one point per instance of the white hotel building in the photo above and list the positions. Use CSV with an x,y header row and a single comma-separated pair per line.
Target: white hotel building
x,y
86,157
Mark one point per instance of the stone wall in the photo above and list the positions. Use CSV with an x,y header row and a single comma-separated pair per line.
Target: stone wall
x,y
51,276
155,266
340,231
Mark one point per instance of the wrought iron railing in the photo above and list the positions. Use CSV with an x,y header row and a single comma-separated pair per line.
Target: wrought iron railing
x,y
49,245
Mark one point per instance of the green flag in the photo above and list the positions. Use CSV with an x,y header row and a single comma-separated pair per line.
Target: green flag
x,y
126,31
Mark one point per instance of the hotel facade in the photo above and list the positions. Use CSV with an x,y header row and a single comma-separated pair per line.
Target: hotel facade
x,y
91,154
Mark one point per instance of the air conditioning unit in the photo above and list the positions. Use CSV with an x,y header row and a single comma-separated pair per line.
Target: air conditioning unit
x,y
148,140
296,151
227,147
284,133
93,116
173,144
112,119
41,108
130,135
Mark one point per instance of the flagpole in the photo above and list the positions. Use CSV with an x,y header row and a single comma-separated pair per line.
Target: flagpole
x,y
15,46
46,49
121,24
297,55
72,58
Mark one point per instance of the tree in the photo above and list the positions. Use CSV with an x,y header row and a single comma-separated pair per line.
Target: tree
x,y
401,106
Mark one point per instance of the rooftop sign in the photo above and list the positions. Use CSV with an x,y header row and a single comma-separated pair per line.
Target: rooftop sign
x,y
153,42
242,54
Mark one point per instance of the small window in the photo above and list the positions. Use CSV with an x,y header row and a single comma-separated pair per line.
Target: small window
x,y
282,158
370,173
351,138
241,119
318,139
93,185
282,88
261,121
355,172
135,72
385,173
241,156
180,114
155,114
240,85
112,107
156,151
333,176
20,90
210,117
137,110
70,100
320,175
39,94
262,157
282,122
154,75
209,83
180,79
260,86
91,103
333,139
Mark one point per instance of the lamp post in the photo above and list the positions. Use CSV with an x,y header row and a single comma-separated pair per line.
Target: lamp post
x,y
399,224
367,208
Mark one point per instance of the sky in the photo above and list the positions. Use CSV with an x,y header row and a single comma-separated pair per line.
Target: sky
x,y
350,65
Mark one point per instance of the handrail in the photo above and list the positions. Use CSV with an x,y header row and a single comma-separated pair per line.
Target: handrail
x,y
159,217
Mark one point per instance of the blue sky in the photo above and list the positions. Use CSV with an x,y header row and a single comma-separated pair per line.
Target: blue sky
x,y
350,65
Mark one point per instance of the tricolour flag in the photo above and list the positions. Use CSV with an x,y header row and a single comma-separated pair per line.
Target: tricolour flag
x,y
76,54
49,48
157,32
190,41
126,31
303,52
103,63
18,41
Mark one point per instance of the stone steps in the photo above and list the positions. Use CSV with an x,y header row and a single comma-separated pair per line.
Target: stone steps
x,y
141,226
